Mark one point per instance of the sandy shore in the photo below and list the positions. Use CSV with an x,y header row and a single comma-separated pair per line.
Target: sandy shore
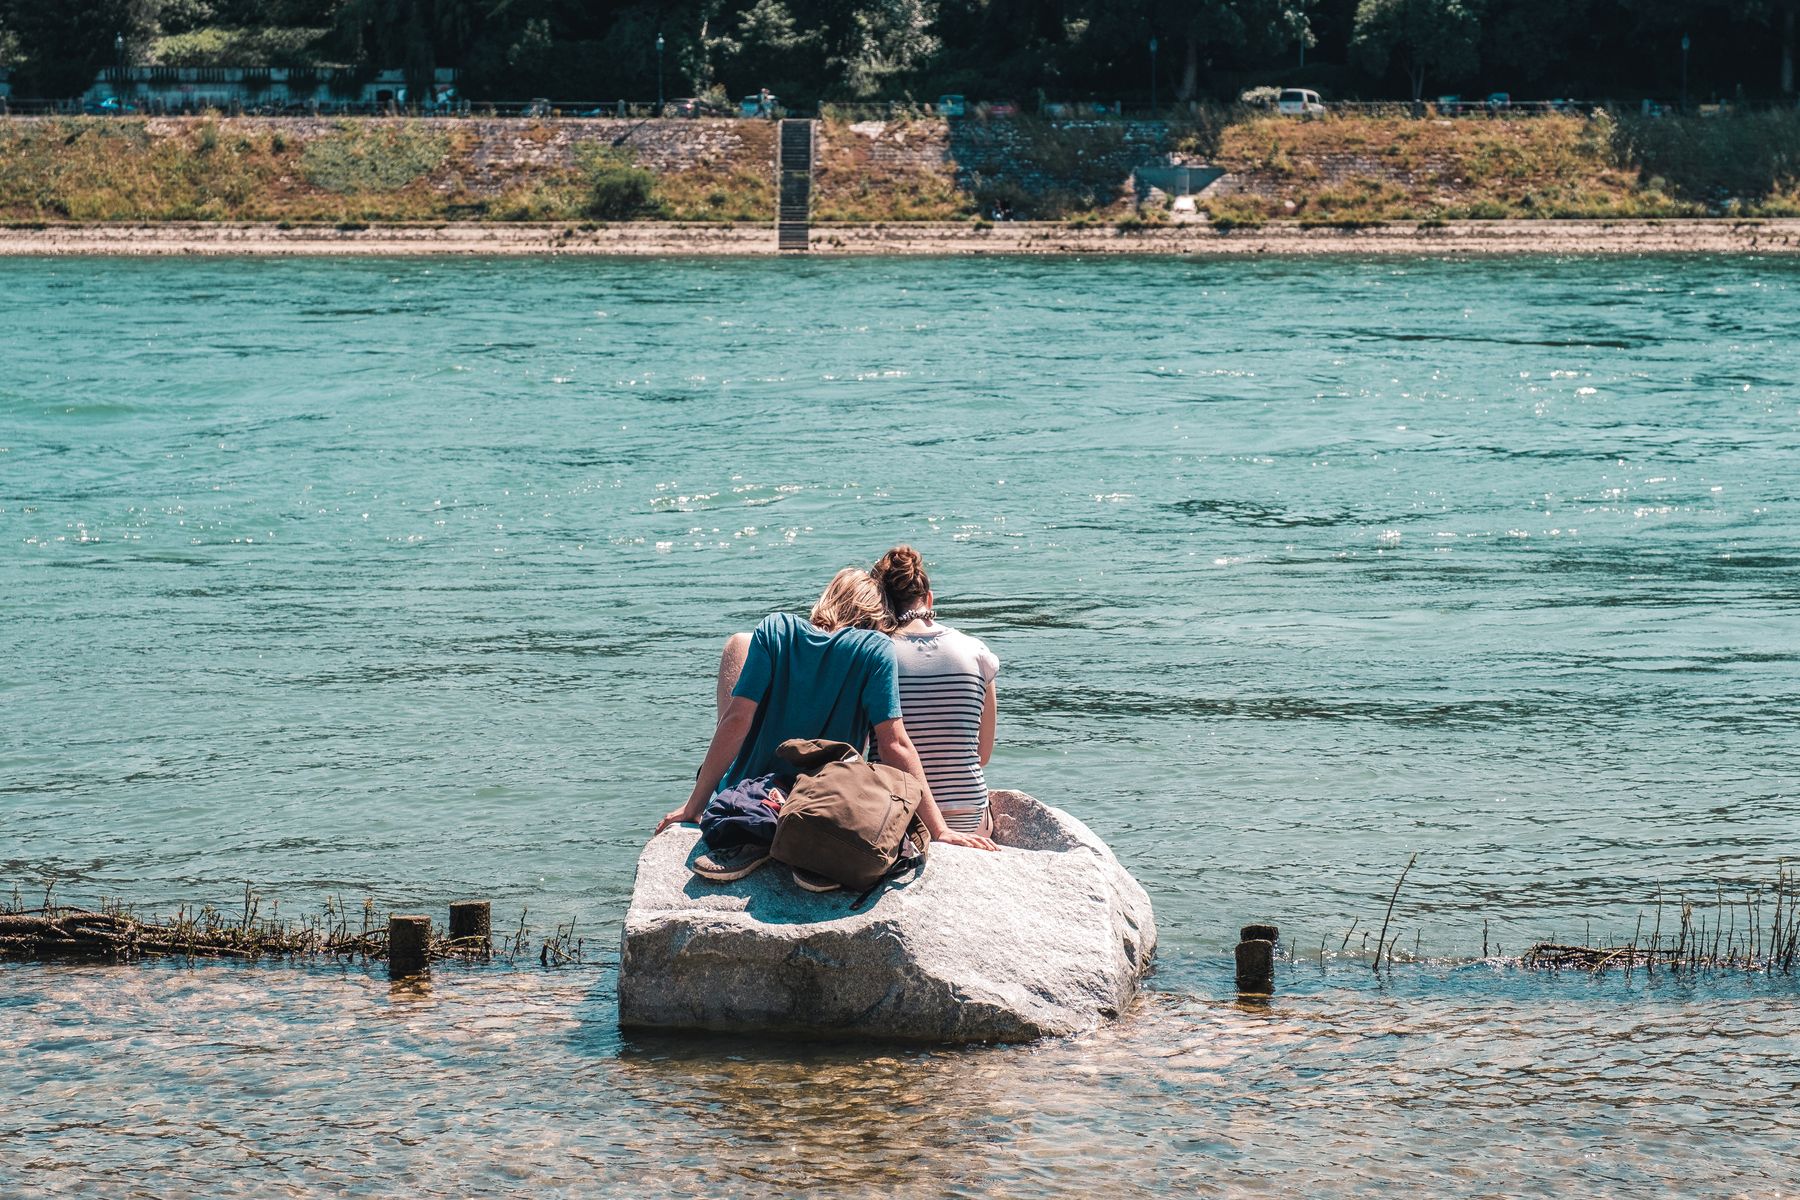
x,y
1022,237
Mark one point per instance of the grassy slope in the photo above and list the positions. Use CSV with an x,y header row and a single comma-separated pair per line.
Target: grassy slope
x,y
102,169
851,183
1338,171
1367,169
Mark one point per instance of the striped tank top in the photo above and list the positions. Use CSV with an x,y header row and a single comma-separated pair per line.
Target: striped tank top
x,y
943,682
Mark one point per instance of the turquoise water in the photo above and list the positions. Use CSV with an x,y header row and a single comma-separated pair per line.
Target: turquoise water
x,y
406,579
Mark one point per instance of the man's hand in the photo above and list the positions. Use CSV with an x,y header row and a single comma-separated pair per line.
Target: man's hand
x,y
727,740
972,840
677,817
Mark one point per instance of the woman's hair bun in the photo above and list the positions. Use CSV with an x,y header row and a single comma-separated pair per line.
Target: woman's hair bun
x,y
901,574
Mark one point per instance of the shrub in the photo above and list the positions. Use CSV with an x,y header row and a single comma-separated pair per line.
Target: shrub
x,y
364,158
1747,155
1200,130
617,188
1145,218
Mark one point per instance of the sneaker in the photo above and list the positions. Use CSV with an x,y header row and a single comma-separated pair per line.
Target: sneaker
x,y
812,881
723,866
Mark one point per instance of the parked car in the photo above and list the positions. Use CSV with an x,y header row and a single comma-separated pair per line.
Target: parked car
x,y
1002,108
951,105
1299,102
694,106
1499,100
759,104
112,106
1450,106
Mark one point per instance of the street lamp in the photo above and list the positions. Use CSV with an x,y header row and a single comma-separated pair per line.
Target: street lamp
x,y
1153,77
1684,49
119,68
659,75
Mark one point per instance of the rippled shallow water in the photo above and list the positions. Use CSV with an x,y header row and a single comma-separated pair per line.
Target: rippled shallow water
x,y
406,580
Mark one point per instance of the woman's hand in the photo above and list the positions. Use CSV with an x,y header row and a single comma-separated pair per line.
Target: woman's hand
x,y
972,840
677,817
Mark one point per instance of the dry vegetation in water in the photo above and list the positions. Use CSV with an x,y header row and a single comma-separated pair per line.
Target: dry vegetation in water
x,y
1756,934
112,932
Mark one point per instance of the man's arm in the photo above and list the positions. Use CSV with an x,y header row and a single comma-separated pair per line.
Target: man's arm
x,y
897,750
727,740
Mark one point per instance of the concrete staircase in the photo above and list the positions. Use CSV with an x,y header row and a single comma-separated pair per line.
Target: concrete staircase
x,y
793,180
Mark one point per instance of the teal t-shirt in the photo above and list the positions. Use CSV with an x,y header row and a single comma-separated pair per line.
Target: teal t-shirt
x,y
811,684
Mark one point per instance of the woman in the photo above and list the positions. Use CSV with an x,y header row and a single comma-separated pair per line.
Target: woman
x,y
946,692
832,677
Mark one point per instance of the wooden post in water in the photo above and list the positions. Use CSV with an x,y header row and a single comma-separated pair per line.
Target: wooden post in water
x,y
1256,959
471,919
409,944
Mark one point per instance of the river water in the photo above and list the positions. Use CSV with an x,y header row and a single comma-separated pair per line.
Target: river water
x,y
405,580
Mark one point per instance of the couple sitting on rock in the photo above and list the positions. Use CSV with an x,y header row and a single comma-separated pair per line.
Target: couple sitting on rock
x,y
872,662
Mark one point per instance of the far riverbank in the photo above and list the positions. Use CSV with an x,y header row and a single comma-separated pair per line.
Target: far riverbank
x,y
1687,236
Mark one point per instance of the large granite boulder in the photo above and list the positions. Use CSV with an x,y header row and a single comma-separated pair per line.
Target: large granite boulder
x,y
1049,936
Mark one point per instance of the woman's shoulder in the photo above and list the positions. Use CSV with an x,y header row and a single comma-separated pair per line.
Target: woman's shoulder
x,y
958,642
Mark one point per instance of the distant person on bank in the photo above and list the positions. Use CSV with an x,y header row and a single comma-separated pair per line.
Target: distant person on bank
x,y
834,677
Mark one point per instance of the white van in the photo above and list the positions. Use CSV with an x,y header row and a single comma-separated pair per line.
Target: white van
x,y
1299,102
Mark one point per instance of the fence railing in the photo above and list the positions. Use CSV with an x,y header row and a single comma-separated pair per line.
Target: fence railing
x,y
202,105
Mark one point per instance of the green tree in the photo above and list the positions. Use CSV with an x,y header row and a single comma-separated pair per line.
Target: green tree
x,y
1437,37
1782,16
60,47
769,49
414,35
1534,39
1239,29
882,40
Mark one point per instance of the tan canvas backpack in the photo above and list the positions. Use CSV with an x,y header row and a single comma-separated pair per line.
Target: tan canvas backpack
x,y
848,819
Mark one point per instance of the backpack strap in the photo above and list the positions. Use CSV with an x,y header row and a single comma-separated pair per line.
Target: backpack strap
x,y
903,864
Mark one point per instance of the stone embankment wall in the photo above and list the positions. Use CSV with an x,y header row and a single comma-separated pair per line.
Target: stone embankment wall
x,y
913,168
1332,169
1337,170
489,155
1375,168
381,169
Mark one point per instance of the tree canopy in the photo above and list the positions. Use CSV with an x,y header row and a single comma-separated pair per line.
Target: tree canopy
x,y
1023,50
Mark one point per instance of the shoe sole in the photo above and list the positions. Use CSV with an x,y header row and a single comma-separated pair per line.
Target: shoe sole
x,y
729,876
827,886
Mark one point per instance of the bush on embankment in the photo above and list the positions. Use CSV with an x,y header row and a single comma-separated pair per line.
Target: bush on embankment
x,y
1748,162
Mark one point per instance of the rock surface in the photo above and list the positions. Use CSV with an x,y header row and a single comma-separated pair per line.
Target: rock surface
x,y
1049,936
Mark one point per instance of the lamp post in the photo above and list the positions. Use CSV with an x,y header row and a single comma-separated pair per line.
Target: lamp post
x,y
1684,51
659,74
1152,76
119,69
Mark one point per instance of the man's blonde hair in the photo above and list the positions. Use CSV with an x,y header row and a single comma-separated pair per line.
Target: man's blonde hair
x,y
850,601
